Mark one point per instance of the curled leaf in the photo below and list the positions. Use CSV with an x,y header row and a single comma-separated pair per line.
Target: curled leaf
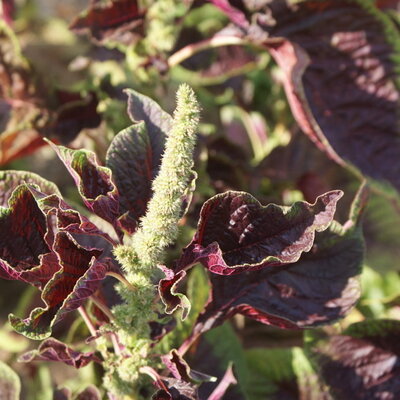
x,y
94,182
236,233
61,217
175,389
180,369
80,276
168,294
321,287
25,254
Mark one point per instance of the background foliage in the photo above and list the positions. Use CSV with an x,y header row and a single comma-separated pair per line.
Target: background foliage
x,y
298,98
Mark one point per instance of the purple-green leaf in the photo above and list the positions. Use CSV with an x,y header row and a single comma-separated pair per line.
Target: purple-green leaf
x,y
158,122
10,179
134,161
54,350
94,182
236,233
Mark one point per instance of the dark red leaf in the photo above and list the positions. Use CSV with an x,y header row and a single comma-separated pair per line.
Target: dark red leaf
x,y
318,289
363,363
80,276
158,122
119,20
37,247
338,58
158,329
176,389
24,250
73,113
62,217
236,233
54,350
168,294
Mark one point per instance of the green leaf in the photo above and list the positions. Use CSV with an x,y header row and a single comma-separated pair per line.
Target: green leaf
x,y
282,373
310,386
227,348
270,370
197,290
379,290
382,220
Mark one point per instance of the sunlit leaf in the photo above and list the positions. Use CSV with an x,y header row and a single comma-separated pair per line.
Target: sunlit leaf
x,y
236,233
